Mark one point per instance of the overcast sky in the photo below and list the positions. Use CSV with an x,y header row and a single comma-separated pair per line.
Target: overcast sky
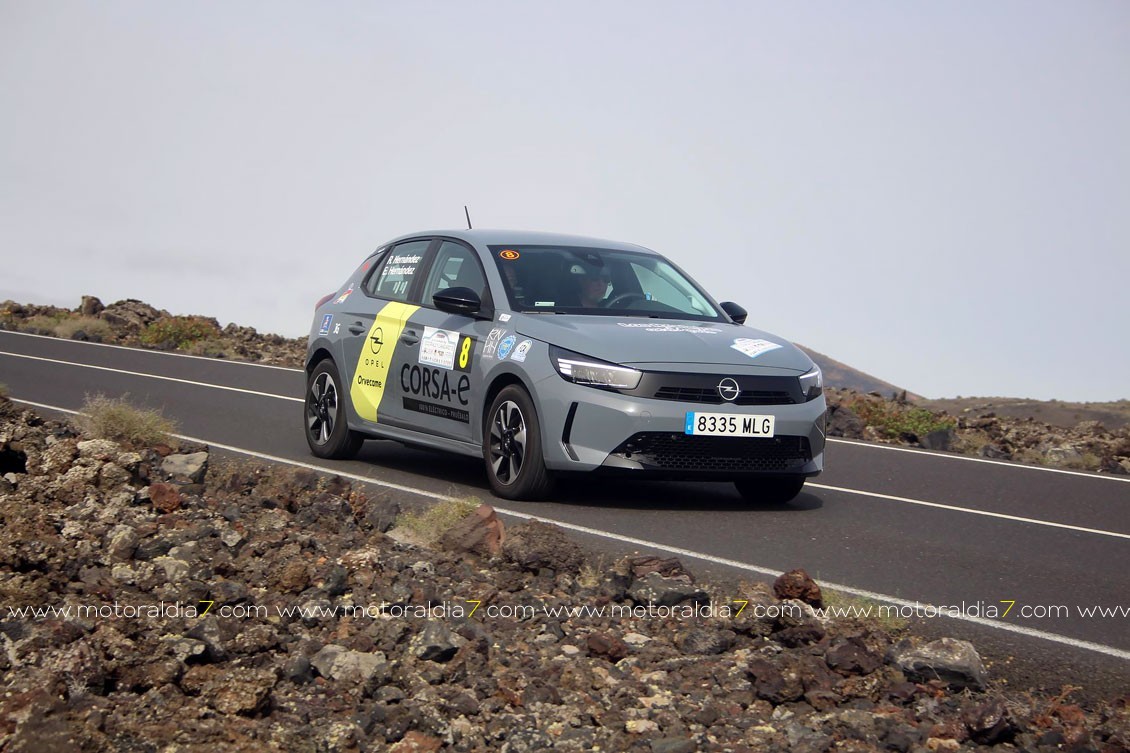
x,y
935,193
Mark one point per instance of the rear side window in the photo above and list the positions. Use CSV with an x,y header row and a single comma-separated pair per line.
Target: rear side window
x,y
395,277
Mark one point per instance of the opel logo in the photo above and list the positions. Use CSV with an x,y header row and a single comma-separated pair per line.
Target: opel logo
x,y
728,389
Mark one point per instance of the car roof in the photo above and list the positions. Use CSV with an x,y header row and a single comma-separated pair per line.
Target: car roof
x,y
497,237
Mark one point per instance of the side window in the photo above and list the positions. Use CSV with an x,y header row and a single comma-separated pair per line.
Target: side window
x,y
394,279
455,267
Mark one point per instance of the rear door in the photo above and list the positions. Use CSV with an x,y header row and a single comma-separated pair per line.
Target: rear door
x,y
377,339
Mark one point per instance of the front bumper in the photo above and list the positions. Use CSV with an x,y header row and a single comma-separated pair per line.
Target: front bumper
x,y
586,429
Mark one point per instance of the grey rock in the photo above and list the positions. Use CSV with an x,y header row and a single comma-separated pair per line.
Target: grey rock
x,y
536,545
994,452
184,648
661,591
191,466
98,449
298,670
939,439
843,422
120,543
382,513
706,642
336,662
207,631
673,745
91,306
952,661
435,643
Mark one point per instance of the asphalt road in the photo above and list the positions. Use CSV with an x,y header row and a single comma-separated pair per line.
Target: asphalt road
x,y
902,527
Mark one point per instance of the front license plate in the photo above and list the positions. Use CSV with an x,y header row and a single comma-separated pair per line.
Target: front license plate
x,y
729,425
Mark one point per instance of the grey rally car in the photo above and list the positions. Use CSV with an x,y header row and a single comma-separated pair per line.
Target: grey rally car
x,y
545,353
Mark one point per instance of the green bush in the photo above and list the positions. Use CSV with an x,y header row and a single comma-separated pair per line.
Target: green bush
x,y
115,419
893,420
178,331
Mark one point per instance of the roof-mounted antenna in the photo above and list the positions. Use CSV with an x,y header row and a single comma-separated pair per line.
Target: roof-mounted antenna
x,y
468,216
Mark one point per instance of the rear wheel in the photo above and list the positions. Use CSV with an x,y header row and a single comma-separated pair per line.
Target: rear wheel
x,y
512,447
770,491
327,432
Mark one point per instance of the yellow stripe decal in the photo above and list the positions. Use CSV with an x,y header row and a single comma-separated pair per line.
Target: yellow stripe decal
x,y
371,374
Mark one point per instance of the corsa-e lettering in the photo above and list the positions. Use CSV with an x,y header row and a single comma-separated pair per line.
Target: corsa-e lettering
x,y
433,383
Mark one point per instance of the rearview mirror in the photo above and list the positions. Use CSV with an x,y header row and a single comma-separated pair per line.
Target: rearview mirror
x,y
735,312
458,301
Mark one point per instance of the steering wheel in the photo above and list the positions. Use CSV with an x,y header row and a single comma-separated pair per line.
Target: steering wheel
x,y
623,297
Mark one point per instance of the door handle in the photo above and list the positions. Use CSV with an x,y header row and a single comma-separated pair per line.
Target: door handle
x,y
409,337
357,328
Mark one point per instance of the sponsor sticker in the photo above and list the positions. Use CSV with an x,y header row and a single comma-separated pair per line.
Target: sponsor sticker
x,y
522,351
509,254
345,295
505,347
652,327
438,347
753,348
337,328
504,317
327,320
490,347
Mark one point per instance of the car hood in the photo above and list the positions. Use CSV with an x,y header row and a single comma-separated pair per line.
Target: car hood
x,y
641,342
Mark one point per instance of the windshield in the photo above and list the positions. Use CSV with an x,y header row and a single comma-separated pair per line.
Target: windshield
x,y
598,281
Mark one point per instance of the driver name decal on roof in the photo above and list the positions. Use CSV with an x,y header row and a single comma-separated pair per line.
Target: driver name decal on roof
x,y
654,327
753,348
371,374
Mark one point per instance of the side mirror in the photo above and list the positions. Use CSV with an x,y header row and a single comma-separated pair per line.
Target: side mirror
x,y
458,301
735,312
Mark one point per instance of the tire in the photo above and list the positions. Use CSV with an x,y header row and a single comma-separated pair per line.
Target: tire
x,y
770,491
326,429
512,447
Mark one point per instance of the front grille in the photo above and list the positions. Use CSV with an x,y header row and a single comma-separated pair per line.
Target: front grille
x,y
682,452
710,395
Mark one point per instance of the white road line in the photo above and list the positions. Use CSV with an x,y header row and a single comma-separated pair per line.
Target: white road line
x,y
867,445
986,513
767,571
152,352
955,456
152,376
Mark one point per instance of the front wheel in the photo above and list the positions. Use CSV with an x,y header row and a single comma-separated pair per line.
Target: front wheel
x,y
512,447
327,432
770,491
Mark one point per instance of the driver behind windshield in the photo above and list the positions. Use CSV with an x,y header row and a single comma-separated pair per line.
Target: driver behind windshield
x,y
594,288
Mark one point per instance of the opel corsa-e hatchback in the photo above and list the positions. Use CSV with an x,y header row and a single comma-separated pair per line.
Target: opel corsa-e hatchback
x,y
544,353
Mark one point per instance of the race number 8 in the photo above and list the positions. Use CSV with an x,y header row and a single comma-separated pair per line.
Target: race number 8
x,y
465,353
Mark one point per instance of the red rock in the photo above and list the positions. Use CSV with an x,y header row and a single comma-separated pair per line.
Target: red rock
x,y
796,584
165,497
608,646
481,532
417,742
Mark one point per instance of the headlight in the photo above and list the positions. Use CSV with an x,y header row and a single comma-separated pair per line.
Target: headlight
x,y
812,384
591,372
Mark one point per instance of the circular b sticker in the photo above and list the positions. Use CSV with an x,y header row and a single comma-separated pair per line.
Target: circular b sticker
x,y
506,346
508,254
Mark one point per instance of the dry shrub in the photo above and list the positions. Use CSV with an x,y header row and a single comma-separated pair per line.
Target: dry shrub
x,y
436,520
115,419
92,327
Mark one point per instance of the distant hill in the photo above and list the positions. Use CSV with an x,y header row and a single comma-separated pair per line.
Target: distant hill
x,y
844,377
1113,415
